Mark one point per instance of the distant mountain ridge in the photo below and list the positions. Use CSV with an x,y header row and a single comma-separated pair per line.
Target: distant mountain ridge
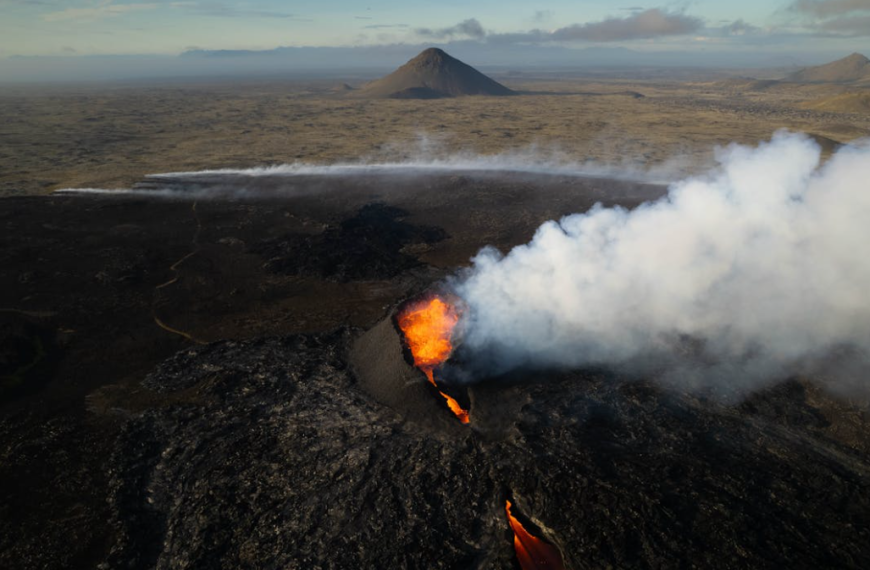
x,y
854,68
431,75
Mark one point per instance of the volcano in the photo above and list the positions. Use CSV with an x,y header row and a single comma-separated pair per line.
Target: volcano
x,y
307,433
431,75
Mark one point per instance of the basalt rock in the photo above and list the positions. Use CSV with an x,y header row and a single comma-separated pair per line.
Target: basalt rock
x,y
277,453
279,460
366,246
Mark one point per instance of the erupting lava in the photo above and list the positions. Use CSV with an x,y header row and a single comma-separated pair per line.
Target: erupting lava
x,y
532,552
428,327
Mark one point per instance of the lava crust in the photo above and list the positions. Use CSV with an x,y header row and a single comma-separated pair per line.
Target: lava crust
x,y
280,444
366,246
276,456
279,460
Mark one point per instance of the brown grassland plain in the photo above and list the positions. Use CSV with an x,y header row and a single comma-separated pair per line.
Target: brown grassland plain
x,y
111,136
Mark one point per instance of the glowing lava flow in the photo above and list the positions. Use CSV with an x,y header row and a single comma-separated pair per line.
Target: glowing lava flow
x,y
532,552
427,328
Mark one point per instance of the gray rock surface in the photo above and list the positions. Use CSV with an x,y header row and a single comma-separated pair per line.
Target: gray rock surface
x,y
274,455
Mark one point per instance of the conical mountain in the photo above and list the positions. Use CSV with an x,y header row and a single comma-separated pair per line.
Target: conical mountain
x,y
431,75
853,68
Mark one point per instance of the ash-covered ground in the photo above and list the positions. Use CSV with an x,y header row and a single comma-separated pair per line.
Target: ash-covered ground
x,y
202,383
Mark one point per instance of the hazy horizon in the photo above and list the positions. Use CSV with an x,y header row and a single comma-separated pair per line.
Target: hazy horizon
x,y
55,40
355,63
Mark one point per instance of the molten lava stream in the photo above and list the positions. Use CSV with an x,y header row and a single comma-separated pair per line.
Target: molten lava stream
x,y
428,328
532,552
454,406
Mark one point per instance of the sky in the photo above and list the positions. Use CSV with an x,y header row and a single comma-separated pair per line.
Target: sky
x,y
89,27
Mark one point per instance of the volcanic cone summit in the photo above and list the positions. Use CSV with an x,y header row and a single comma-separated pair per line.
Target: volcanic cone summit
x,y
434,74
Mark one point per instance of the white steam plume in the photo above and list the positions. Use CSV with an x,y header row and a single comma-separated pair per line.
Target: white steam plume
x,y
755,271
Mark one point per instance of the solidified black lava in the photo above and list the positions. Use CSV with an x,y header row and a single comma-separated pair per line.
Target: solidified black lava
x,y
90,275
27,355
276,459
365,246
272,455
301,452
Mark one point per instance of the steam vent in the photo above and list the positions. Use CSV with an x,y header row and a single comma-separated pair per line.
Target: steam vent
x,y
336,451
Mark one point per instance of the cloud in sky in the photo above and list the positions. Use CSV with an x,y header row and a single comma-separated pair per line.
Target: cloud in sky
x,y
469,28
258,24
835,17
828,8
739,27
227,10
541,16
647,24
385,26
650,23
850,26
27,2
106,9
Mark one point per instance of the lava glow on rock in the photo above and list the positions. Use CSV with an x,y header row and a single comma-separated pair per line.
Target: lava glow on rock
x,y
428,328
532,552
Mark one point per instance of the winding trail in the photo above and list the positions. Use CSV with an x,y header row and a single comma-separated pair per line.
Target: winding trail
x,y
194,243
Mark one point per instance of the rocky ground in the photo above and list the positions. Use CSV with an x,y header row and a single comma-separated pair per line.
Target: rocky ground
x,y
184,383
274,456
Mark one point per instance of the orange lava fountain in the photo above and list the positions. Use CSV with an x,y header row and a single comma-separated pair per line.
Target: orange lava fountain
x,y
428,327
532,552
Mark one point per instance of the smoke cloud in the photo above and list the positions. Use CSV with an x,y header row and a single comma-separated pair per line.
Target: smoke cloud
x,y
750,273
401,161
432,154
